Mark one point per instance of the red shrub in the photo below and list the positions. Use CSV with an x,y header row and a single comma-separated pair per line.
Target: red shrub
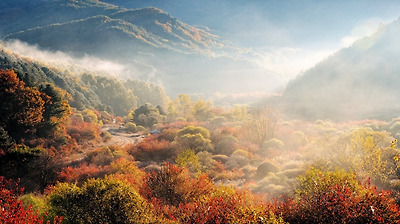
x,y
173,185
215,210
232,207
341,203
83,131
153,149
81,173
127,171
97,114
12,210
168,134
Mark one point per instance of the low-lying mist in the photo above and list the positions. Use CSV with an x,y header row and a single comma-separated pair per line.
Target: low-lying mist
x,y
222,87
65,60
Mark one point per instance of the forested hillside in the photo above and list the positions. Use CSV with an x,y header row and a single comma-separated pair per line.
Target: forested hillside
x,y
85,90
358,82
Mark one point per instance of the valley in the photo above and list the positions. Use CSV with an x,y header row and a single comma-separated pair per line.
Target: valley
x,y
213,112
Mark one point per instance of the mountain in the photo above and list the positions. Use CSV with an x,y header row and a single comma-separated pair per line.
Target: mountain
x,y
358,82
141,29
154,45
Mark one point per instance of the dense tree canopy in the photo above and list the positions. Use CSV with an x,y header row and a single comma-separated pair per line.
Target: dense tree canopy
x,y
21,107
112,92
148,116
29,111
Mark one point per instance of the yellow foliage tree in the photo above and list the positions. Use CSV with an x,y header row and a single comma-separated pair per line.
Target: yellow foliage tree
x,y
368,149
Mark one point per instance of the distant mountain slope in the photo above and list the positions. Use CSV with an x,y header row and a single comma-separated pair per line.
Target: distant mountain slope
x,y
20,15
156,46
358,82
147,27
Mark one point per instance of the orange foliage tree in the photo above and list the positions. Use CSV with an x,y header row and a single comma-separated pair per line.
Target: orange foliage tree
x,y
21,107
29,112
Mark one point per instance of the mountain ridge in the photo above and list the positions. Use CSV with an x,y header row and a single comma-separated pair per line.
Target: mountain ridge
x,y
152,22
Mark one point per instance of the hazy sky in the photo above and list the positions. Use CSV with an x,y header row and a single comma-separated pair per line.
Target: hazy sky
x,y
292,34
279,23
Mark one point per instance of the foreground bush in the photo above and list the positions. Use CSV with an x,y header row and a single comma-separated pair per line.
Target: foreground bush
x,y
12,209
172,185
228,206
100,201
337,197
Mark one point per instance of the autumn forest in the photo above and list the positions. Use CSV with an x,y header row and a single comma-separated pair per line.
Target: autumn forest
x,y
187,161
116,114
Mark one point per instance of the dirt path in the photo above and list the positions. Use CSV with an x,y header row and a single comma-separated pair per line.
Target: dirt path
x,y
120,137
